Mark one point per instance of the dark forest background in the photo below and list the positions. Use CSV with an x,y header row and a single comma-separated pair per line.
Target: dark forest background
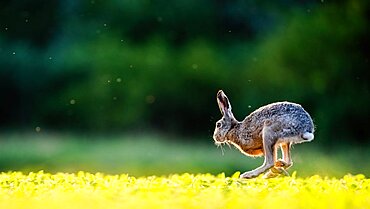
x,y
128,66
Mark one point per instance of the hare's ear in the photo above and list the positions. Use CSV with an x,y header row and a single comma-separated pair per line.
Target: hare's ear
x,y
224,104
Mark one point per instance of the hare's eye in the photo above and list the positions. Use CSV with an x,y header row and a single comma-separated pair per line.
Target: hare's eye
x,y
218,124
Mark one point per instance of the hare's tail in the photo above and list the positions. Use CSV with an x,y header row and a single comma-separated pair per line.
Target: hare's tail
x,y
308,136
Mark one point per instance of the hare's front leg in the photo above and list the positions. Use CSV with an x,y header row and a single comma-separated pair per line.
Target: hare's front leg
x,y
269,140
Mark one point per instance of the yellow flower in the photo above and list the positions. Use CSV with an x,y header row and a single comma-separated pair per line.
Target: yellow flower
x,y
85,190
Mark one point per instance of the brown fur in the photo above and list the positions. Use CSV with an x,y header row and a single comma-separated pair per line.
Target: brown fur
x,y
261,133
252,147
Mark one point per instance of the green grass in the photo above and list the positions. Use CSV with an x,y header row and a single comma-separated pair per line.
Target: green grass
x,y
159,155
167,172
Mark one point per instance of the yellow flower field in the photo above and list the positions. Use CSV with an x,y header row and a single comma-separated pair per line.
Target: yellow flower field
x,y
85,190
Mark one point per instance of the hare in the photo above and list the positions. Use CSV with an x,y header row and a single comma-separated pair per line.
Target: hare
x,y
263,131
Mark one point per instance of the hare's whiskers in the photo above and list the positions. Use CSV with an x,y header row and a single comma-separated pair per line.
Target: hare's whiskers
x,y
228,144
222,150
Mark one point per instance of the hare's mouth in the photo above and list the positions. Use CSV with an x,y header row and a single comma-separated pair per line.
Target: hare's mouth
x,y
220,144
219,141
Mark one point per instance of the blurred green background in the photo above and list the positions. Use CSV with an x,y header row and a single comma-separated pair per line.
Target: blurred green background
x,y
129,85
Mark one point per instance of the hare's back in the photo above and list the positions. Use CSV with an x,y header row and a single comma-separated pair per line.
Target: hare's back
x,y
292,118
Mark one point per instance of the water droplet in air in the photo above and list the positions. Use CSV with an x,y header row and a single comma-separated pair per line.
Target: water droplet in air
x,y
72,102
249,106
118,80
150,99
13,52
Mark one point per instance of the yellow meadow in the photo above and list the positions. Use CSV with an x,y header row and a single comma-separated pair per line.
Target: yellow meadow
x,y
84,190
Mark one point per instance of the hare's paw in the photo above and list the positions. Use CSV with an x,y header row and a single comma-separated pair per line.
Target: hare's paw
x,y
270,174
275,171
279,170
280,163
249,175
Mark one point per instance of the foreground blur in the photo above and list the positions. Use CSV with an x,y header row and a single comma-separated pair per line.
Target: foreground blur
x,y
84,190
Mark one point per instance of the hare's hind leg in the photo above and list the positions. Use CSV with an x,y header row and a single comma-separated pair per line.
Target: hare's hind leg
x,y
269,140
281,165
286,162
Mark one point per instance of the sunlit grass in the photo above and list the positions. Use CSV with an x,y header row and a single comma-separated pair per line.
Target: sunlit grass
x,y
169,168
85,190
162,155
